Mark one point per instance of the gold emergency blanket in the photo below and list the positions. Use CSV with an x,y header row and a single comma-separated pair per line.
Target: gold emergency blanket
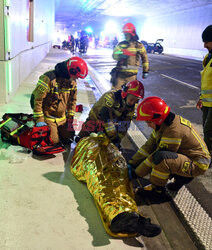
x,y
100,164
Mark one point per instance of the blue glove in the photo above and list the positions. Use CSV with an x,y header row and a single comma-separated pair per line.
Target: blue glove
x,y
41,124
131,172
129,167
145,75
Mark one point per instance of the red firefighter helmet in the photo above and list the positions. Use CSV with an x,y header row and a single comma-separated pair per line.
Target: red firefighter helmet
x,y
135,88
77,67
153,109
129,28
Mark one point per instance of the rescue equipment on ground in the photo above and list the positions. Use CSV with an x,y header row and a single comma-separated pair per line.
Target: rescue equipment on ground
x,y
19,129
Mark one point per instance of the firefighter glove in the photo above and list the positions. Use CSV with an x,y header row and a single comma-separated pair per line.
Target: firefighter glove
x,y
131,172
145,75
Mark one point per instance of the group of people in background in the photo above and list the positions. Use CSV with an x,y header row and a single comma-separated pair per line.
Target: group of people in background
x,y
77,44
174,149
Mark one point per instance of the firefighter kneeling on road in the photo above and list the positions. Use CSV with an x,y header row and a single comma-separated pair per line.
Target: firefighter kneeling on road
x,y
113,112
54,99
128,54
174,149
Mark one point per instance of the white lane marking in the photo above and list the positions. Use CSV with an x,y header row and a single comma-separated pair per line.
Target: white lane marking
x,y
184,83
160,61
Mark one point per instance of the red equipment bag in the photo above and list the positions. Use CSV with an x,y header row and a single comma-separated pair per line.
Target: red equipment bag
x,y
36,136
79,108
48,150
19,129
39,141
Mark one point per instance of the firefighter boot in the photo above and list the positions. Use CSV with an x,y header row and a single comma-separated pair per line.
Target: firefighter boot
x,y
179,181
132,222
151,190
156,194
77,139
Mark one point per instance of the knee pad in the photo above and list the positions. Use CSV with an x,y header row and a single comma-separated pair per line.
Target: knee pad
x,y
159,156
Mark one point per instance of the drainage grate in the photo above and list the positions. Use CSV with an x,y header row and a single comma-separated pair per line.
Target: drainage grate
x,y
195,216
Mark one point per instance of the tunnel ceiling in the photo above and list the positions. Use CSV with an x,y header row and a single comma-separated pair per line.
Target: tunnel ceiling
x,y
77,12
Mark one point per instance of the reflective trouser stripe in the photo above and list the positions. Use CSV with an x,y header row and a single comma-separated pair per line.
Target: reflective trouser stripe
x,y
55,119
2,124
143,152
159,174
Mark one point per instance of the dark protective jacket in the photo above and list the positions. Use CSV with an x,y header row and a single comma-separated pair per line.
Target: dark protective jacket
x,y
55,95
111,108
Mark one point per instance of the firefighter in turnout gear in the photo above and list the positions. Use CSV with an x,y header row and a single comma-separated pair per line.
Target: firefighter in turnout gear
x,y
205,100
128,54
174,149
113,112
54,99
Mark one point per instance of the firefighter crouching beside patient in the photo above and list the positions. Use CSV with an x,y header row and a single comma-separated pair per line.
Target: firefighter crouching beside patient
x,y
113,112
54,99
128,53
174,149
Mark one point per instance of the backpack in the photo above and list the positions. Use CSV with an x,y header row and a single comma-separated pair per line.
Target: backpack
x,y
19,129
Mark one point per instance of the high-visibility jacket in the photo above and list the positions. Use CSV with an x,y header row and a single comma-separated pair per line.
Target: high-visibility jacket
x,y
180,137
54,97
111,108
206,83
130,64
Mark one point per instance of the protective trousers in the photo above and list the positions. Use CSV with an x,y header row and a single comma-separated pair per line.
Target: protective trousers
x,y
60,131
207,127
172,163
121,79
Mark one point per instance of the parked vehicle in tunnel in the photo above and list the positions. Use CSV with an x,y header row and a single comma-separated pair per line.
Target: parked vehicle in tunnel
x,y
153,47
145,44
56,46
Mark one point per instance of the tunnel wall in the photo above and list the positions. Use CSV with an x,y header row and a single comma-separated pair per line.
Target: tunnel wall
x,y
2,66
181,31
1,31
20,54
